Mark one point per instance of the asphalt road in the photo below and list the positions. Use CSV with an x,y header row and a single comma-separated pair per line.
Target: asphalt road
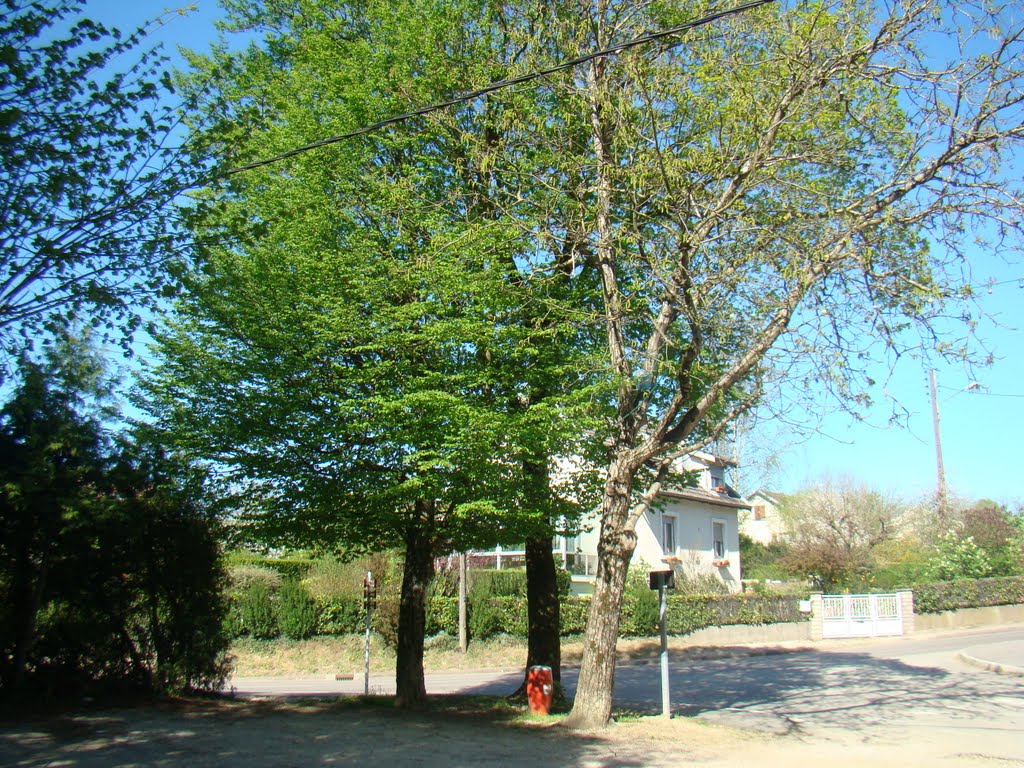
x,y
886,688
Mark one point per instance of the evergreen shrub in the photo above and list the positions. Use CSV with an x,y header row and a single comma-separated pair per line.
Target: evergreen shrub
x,y
297,611
257,612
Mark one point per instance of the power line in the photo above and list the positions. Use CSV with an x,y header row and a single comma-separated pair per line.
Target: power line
x,y
976,392
1018,280
499,84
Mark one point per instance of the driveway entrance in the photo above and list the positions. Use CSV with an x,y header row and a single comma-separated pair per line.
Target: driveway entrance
x,y
861,615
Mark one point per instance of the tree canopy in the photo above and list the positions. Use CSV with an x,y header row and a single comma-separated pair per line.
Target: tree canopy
x,y
781,196
89,174
109,556
360,353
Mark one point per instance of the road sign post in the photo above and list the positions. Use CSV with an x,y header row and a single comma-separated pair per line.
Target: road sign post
x,y
369,603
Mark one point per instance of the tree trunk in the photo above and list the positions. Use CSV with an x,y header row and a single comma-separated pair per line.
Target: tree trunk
x,y
28,589
412,613
544,643
592,706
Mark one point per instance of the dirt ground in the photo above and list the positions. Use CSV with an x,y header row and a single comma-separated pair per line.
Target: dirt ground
x,y
265,735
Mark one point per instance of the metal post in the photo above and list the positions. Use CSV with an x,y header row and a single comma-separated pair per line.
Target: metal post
x,y
666,707
367,585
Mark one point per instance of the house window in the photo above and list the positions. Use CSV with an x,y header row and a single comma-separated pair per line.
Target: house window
x,y
668,535
565,544
759,511
717,480
718,539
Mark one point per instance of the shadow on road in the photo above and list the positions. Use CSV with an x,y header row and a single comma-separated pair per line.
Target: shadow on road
x,y
848,690
261,735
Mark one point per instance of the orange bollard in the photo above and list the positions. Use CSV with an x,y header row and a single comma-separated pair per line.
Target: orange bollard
x,y
539,688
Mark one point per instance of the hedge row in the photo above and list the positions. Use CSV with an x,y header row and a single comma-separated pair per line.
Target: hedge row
x,y
288,567
342,614
973,593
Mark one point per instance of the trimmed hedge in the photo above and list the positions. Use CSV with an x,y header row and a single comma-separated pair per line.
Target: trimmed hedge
x,y
288,567
688,613
343,614
511,582
976,593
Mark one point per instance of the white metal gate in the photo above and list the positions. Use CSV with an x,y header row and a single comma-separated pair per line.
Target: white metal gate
x,y
861,615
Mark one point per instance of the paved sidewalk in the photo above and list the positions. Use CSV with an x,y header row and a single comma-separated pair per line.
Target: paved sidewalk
x,y
1006,658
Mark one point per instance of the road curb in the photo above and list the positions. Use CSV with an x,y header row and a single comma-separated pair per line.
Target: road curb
x,y
991,666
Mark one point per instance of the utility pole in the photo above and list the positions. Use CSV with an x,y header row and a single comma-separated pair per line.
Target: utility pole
x,y
941,490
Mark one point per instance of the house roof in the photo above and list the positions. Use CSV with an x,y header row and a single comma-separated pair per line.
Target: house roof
x,y
774,497
712,460
707,497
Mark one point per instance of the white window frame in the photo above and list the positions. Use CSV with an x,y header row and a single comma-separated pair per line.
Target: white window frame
x,y
725,545
668,525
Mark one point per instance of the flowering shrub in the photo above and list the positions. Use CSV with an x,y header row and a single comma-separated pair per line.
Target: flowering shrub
x,y
959,557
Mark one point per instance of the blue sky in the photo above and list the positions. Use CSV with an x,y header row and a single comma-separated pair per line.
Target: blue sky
x,y
981,428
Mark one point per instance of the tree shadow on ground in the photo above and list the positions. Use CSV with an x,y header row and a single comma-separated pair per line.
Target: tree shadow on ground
x,y
260,735
808,688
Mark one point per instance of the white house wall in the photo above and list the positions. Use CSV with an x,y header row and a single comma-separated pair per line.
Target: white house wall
x,y
758,530
694,540
693,533
648,544
767,530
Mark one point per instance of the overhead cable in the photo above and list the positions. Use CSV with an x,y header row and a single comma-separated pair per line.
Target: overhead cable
x,y
500,84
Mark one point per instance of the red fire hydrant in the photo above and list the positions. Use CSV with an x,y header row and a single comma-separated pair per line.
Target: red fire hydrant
x,y
539,688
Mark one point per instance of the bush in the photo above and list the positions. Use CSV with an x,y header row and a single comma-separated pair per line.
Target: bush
x,y
699,584
243,576
762,561
297,611
953,595
340,615
564,579
574,612
443,616
640,615
485,583
958,557
257,613
688,613
496,616
287,567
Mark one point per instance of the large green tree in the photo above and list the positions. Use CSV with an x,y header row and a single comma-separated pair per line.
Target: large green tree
x,y
357,356
89,172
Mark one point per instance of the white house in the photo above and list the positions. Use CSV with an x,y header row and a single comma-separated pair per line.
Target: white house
x,y
763,521
694,531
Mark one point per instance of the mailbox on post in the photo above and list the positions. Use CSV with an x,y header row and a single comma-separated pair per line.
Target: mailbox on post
x,y
663,581
659,579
